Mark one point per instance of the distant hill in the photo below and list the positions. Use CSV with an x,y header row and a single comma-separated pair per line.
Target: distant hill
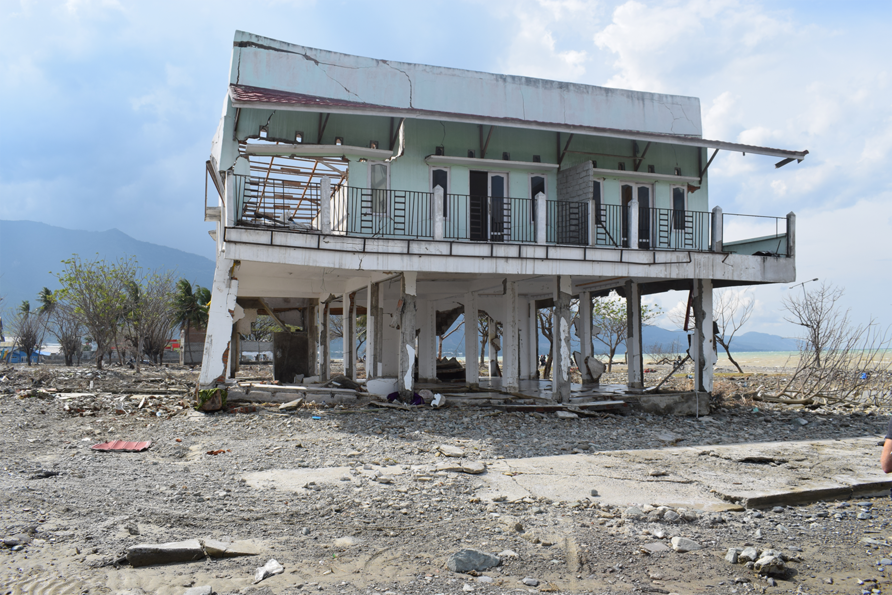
x,y
654,335
30,250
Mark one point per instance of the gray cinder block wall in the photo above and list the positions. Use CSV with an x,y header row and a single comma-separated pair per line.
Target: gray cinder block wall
x,y
575,183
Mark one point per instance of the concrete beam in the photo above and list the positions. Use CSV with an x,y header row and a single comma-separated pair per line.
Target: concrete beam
x,y
371,331
325,336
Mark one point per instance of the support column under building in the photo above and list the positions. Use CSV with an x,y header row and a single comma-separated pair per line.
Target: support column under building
x,y
407,314
703,341
524,357
311,326
472,375
561,369
379,330
510,348
427,341
534,340
348,328
371,332
325,340
634,355
584,330
215,360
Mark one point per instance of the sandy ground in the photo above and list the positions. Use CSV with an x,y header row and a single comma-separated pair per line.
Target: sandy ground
x,y
366,508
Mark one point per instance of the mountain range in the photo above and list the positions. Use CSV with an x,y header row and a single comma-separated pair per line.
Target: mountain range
x,y
32,255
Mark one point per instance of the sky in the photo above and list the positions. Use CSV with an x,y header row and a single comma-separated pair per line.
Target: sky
x,y
108,107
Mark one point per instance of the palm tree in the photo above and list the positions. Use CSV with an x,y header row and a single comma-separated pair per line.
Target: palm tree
x,y
47,301
191,308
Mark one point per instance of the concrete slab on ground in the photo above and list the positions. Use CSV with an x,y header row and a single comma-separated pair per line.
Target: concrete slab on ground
x,y
704,477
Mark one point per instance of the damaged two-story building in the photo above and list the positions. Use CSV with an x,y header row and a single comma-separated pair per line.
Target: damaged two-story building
x,y
401,191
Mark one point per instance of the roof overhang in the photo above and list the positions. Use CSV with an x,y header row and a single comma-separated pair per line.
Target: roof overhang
x,y
243,96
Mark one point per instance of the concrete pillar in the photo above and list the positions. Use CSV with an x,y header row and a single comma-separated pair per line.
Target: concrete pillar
x,y
561,373
791,234
717,230
407,313
633,335
379,331
525,359
371,331
215,360
472,376
325,335
510,348
492,354
703,340
311,326
325,205
585,324
439,221
235,352
592,225
348,326
534,340
634,212
541,219
427,341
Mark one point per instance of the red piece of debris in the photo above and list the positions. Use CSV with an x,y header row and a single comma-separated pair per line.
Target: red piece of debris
x,y
123,446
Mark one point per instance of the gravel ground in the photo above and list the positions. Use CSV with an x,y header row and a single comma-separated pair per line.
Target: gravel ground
x,y
388,522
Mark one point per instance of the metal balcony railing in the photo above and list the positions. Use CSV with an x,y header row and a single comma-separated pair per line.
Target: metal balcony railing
x,y
373,213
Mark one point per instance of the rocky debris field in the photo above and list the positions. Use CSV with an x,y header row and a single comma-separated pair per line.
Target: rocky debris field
x,y
354,499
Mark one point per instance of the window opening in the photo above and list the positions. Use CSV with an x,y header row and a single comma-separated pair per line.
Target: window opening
x,y
677,171
537,158
440,177
506,156
651,169
537,185
441,150
298,137
678,208
373,144
471,153
621,166
339,140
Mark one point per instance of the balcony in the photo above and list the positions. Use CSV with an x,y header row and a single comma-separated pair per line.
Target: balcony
x,y
293,205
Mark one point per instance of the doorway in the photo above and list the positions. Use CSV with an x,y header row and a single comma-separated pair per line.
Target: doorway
x,y
488,215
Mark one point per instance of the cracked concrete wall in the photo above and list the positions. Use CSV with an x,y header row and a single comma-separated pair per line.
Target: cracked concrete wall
x,y
262,62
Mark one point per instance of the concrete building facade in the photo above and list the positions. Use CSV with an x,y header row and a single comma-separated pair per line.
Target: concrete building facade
x,y
400,191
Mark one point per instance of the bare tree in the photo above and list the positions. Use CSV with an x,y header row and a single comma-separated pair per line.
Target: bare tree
x,y
816,311
68,331
442,338
731,309
663,353
609,313
28,327
545,317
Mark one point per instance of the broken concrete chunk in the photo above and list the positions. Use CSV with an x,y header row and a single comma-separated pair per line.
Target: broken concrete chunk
x,y
634,513
471,467
347,541
749,554
468,559
221,549
146,554
269,569
655,547
291,405
732,555
565,415
683,544
204,590
769,565
450,451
